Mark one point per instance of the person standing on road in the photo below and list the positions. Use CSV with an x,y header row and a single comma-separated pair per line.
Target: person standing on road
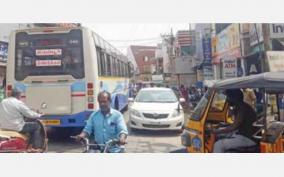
x,y
106,124
13,113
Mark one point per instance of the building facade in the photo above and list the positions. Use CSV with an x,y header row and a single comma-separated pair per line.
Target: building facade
x,y
185,48
145,60
227,52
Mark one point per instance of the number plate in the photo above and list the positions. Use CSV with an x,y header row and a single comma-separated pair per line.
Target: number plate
x,y
51,122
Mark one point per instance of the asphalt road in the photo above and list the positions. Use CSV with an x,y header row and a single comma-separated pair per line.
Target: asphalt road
x,y
139,141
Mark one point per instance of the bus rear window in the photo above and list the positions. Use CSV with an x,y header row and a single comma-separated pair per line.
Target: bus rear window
x,y
49,54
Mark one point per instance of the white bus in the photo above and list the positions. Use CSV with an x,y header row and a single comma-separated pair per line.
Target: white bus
x,y
61,70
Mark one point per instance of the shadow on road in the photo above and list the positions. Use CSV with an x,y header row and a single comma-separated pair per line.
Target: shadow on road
x,y
154,133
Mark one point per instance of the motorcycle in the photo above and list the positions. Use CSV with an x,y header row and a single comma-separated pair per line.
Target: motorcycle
x,y
15,142
98,148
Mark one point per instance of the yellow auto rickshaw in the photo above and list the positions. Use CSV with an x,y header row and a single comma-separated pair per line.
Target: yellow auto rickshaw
x,y
213,111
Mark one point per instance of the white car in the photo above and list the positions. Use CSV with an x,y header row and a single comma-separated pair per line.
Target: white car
x,y
156,109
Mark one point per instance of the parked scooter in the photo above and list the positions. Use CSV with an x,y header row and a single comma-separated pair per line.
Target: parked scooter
x,y
98,148
15,142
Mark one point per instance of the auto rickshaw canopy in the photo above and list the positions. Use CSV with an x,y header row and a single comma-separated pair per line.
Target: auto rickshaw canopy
x,y
269,81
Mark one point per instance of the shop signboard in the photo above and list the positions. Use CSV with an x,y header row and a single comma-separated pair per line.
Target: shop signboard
x,y
207,64
3,50
227,41
228,38
277,30
206,43
229,68
208,72
275,60
157,77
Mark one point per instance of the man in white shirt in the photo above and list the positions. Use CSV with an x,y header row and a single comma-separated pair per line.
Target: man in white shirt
x,y
12,114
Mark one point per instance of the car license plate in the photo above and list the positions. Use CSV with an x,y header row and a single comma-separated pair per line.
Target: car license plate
x,y
156,123
51,122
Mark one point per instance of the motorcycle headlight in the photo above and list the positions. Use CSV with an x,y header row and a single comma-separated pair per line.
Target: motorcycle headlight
x,y
135,113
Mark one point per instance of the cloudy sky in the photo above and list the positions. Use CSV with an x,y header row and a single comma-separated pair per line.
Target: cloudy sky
x,y
121,35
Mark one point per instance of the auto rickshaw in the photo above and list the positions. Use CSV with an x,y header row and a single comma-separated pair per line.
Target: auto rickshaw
x,y
213,111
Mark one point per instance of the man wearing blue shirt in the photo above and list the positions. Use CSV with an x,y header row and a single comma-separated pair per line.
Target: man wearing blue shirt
x,y
106,124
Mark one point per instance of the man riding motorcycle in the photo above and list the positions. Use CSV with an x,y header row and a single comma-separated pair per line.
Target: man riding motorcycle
x,y
13,113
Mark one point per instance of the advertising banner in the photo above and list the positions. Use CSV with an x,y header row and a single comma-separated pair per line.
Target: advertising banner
x,y
228,38
229,68
227,43
3,50
207,63
275,60
277,30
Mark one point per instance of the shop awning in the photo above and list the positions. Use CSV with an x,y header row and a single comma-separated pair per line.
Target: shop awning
x,y
278,44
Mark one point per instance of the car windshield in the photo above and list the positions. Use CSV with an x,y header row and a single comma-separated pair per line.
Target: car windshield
x,y
163,96
199,109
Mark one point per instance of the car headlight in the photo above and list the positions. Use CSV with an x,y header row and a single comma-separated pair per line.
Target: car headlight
x,y
135,113
176,113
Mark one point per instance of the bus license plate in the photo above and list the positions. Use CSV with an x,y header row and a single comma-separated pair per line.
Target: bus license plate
x,y
51,122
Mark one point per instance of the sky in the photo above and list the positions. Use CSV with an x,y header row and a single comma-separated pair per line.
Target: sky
x,y
122,35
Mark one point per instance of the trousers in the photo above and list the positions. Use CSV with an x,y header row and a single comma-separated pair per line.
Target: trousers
x,y
232,142
33,128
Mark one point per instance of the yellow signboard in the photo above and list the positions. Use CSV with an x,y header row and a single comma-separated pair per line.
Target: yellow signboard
x,y
275,60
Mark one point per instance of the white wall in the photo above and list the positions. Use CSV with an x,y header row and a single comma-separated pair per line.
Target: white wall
x,y
184,65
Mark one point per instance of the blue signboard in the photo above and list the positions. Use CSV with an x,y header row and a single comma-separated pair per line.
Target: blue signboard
x,y
207,62
3,50
206,43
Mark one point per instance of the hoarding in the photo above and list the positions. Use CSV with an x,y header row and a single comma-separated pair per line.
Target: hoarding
x,y
277,30
275,60
229,68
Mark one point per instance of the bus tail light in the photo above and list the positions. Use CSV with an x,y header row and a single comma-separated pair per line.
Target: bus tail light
x,y
9,90
90,85
90,106
90,92
9,87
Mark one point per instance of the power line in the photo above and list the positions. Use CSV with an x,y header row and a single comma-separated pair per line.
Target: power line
x,y
135,40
